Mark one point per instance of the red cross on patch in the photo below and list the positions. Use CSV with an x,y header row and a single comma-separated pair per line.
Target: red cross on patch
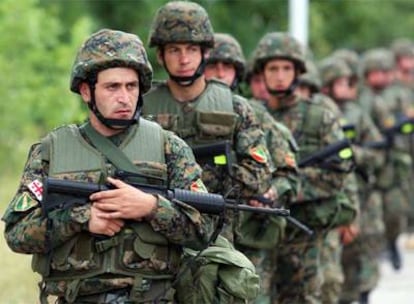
x,y
36,187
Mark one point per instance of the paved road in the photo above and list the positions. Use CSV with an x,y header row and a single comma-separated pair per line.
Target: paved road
x,y
396,287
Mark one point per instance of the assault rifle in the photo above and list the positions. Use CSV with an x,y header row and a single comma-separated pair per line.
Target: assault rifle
x,y
349,131
58,193
214,154
341,149
404,126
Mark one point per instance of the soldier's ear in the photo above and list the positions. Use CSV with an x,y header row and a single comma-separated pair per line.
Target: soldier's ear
x,y
85,92
160,56
206,53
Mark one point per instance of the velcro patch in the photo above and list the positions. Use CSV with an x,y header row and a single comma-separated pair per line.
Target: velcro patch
x,y
258,154
24,202
198,186
36,187
290,160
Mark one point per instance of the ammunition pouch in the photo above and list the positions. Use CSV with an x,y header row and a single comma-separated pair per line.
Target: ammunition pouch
x,y
259,231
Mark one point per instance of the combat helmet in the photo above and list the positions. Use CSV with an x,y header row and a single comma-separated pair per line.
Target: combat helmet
x,y
377,59
181,22
311,78
402,47
106,49
279,45
227,49
332,68
350,57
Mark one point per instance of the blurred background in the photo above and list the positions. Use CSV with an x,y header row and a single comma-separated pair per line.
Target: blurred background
x,y
39,40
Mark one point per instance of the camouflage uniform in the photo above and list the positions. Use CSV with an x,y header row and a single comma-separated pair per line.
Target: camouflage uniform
x,y
281,142
333,276
363,131
298,277
214,115
132,266
403,49
393,178
261,248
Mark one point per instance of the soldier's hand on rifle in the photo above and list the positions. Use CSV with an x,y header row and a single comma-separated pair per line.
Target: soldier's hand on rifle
x,y
100,225
269,196
124,202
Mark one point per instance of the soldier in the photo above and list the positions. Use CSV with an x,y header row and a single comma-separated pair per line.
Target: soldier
x,y
358,258
254,80
123,245
226,61
388,106
403,50
203,112
281,59
258,236
309,88
309,83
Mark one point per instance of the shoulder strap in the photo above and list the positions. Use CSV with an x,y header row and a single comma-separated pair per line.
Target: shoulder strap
x,y
115,155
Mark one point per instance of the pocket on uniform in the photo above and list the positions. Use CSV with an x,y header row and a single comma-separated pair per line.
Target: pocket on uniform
x,y
215,125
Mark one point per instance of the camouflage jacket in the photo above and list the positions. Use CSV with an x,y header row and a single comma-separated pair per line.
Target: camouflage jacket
x,y
283,148
311,137
25,226
252,171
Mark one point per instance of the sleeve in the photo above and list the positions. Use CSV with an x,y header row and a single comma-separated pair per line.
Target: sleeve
x,y
282,147
253,170
27,229
179,222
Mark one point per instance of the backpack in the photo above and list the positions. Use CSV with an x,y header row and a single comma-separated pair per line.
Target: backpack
x,y
219,274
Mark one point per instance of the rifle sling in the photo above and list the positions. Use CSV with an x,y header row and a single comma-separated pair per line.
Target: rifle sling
x,y
113,153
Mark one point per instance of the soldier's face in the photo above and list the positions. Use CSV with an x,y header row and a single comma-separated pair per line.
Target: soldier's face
x,y
341,88
279,74
406,69
223,71
379,79
258,87
181,59
116,93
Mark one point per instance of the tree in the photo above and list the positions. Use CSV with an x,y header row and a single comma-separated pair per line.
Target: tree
x,y
35,65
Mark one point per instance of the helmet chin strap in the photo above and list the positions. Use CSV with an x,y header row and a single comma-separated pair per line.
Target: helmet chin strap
x,y
284,93
234,84
114,124
186,81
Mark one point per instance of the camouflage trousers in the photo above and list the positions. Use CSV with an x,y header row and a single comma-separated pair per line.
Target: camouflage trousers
x,y
361,266
396,207
298,276
263,260
333,276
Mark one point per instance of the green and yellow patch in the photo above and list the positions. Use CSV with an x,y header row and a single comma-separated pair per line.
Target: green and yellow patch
x,y
23,203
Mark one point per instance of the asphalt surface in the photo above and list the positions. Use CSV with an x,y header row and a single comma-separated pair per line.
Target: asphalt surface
x,y
396,287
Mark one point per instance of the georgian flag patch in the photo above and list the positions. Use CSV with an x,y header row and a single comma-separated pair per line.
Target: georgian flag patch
x,y
36,187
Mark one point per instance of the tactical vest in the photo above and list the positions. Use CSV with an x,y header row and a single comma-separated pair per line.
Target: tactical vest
x,y
137,251
209,118
325,206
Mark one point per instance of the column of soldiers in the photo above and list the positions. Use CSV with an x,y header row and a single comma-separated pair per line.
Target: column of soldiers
x,y
307,139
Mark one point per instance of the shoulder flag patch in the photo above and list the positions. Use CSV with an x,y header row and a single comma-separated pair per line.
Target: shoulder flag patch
x,y
198,186
36,187
24,202
258,154
290,160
